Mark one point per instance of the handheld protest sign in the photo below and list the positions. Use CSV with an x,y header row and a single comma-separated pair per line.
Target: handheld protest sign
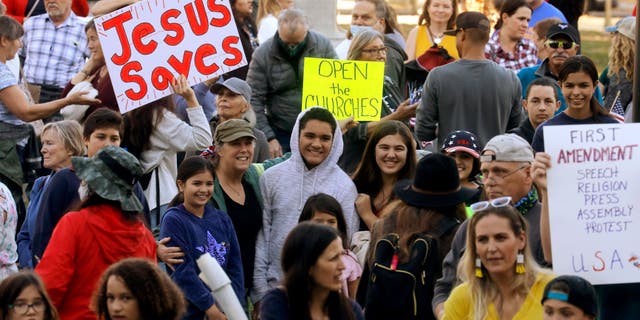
x,y
593,184
148,43
346,88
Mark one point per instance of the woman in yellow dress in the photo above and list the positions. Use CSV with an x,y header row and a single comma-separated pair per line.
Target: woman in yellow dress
x,y
501,278
437,16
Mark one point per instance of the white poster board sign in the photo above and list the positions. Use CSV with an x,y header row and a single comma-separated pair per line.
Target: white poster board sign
x,y
594,201
148,44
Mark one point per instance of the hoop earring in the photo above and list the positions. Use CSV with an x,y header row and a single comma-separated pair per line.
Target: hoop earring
x,y
520,263
479,273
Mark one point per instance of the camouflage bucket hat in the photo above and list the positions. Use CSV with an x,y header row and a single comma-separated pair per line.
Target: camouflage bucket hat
x,y
111,173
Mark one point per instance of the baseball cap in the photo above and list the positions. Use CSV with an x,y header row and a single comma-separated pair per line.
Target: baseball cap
x,y
625,26
237,86
564,29
461,140
470,20
233,129
580,293
508,147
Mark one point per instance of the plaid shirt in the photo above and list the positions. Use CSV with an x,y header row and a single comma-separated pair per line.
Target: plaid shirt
x,y
525,55
53,55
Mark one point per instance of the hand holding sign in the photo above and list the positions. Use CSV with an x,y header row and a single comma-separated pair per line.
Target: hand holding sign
x,y
182,88
81,98
148,42
345,88
593,198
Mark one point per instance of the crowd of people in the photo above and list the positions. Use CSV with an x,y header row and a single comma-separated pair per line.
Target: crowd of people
x,y
439,210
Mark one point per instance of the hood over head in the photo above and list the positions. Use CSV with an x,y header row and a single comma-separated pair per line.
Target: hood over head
x,y
336,145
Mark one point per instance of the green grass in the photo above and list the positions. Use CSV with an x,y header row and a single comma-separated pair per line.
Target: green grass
x,y
595,45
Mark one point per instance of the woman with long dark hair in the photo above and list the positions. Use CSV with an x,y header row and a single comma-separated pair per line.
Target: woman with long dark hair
x,y
578,79
155,135
312,278
507,45
95,72
108,227
389,157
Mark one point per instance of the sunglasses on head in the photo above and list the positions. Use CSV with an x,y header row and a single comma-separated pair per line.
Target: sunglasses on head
x,y
495,203
555,44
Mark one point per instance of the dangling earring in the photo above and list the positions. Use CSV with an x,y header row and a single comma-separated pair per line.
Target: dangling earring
x,y
520,263
479,268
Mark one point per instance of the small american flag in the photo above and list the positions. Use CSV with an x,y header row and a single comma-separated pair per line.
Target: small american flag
x,y
617,110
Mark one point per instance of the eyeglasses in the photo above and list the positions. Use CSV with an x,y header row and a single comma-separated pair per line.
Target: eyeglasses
x,y
22,307
500,175
495,203
566,45
376,50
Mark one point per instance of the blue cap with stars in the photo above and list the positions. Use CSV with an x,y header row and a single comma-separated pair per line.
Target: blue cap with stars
x,y
464,141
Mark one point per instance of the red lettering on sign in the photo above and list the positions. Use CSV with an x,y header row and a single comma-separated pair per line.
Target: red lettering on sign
x,y
118,23
203,51
598,256
172,26
126,76
140,31
161,77
182,67
198,23
219,8
235,52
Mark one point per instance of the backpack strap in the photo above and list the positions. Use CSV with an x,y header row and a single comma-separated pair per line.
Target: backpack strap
x,y
386,249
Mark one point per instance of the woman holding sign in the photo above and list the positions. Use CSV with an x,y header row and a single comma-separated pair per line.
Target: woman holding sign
x,y
155,135
578,79
615,301
95,73
501,278
368,45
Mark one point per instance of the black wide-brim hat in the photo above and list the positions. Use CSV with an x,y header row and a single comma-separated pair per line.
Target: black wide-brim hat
x,y
436,184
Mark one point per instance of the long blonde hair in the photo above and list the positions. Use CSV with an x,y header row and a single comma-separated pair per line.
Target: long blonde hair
x,y
621,55
483,290
267,7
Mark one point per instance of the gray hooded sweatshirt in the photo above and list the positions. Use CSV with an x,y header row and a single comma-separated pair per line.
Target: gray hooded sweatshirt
x,y
285,189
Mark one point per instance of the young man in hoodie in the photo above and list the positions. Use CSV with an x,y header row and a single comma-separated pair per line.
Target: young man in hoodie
x,y
316,145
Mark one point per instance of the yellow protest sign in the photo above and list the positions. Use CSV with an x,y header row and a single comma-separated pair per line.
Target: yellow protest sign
x,y
346,88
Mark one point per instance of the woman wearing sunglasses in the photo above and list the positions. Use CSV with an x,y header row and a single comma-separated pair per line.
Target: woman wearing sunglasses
x,y
501,278
578,79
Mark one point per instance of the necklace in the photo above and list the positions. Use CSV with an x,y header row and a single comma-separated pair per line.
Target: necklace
x,y
435,39
228,187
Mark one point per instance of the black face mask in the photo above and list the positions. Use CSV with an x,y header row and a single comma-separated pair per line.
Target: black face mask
x,y
293,51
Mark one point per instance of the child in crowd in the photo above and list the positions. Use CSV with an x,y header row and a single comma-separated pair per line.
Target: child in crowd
x,y
137,289
22,296
199,229
569,297
325,209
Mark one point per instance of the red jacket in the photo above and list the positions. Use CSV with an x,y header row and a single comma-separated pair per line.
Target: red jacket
x,y
83,245
18,8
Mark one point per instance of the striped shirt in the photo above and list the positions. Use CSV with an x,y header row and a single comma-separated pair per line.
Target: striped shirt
x,y
525,54
54,54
